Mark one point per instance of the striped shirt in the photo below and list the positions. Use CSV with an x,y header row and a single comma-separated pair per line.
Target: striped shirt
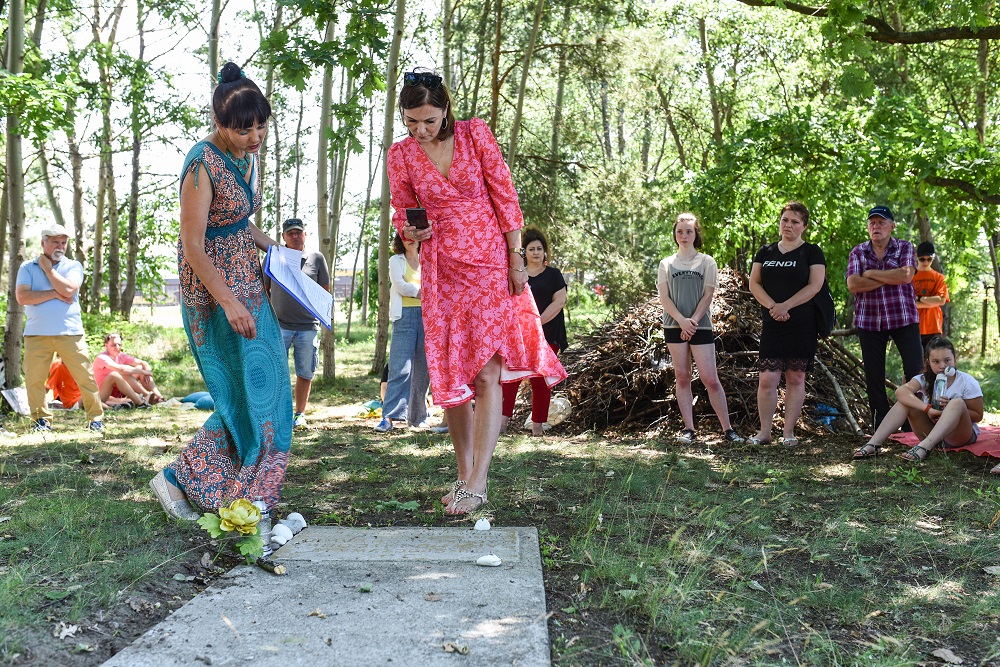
x,y
889,306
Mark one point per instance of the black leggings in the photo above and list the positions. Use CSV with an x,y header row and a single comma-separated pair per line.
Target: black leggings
x,y
873,348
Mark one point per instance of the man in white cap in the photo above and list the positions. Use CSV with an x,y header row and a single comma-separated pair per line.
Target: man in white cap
x,y
48,288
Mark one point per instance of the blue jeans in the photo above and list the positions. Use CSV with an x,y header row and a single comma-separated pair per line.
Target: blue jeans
x,y
408,379
306,354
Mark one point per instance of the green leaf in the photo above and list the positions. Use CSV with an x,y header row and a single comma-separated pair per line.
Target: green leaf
x,y
365,588
212,524
251,545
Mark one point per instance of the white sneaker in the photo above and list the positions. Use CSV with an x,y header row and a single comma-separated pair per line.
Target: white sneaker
x,y
300,421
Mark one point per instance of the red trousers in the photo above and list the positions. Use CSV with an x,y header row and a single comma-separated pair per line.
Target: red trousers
x,y
541,395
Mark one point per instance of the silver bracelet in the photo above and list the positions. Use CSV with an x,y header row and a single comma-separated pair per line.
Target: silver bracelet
x,y
520,270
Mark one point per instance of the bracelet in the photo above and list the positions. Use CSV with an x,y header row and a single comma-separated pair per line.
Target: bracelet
x,y
927,409
518,270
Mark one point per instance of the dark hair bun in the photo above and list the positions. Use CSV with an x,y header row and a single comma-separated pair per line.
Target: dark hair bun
x,y
230,72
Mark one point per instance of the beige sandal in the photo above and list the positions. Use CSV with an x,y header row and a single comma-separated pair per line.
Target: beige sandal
x,y
463,494
995,470
177,509
449,497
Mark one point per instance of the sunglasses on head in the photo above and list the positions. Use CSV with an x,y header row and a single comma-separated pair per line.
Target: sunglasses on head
x,y
425,79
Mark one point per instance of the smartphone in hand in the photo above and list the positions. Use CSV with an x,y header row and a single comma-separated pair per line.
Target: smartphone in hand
x,y
417,217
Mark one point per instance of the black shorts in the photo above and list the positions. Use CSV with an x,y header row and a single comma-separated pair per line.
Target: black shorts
x,y
385,373
700,337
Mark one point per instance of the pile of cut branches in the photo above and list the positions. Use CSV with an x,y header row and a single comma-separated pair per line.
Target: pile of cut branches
x,y
621,375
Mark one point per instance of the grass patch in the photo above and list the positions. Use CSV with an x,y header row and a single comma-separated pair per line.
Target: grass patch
x,y
653,553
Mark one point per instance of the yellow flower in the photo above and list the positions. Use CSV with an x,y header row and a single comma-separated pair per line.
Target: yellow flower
x,y
241,516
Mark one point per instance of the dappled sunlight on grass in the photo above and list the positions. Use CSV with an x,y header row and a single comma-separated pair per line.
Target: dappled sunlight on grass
x,y
941,591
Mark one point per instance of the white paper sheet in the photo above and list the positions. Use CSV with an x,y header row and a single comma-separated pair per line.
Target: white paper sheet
x,y
284,266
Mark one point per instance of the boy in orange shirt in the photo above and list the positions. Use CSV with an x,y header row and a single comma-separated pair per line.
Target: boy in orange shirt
x,y
932,293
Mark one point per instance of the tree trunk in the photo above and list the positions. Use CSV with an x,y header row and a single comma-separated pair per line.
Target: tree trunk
x,y
114,246
139,81
213,45
480,59
298,154
994,241
392,74
446,15
495,77
605,121
713,93
4,219
14,184
97,252
262,154
526,65
323,195
50,192
76,165
557,120
372,167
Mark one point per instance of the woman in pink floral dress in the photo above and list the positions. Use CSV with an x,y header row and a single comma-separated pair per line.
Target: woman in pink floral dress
x,y
481,326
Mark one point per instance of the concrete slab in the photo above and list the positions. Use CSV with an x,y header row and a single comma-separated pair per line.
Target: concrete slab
x,y
354,596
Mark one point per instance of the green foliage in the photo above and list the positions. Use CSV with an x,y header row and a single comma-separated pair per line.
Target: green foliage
x,y
41,106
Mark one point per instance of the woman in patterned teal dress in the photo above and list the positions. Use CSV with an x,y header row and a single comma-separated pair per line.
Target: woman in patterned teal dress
x,y
242,450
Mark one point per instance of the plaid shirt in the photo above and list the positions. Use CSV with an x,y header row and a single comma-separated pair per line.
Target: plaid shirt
x,y
889,306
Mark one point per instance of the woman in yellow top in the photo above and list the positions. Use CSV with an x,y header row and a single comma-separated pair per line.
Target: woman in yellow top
x,y
408,379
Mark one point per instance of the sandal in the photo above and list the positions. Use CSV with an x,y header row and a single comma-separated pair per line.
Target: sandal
x,y
995,470
790,442
916,454
449,497
862,453
757,442
463,494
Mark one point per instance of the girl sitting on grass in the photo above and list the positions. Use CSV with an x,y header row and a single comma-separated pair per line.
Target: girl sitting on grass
x,y
953,425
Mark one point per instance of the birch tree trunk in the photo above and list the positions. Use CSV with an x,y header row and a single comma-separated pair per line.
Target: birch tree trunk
x,y
392,74
495,76
50,192
557,119
213,45
262,154
373,164
323,193
139,81
525,67
14,185
298,154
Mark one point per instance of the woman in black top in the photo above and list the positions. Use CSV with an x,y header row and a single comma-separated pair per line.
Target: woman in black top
x,y
549,290
784,278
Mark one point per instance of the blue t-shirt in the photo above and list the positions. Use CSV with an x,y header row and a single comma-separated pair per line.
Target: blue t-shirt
x,y
53,317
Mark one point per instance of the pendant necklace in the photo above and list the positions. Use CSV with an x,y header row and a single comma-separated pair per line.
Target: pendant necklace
x,y
242,163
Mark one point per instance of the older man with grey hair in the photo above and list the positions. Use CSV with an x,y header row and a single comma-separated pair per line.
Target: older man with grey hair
x,y
48,288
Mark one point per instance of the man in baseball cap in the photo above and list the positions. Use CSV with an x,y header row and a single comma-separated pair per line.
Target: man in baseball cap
x,y
299,328
48,288
879,275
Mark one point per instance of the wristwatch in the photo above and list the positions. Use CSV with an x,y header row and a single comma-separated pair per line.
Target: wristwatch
x,y
518,251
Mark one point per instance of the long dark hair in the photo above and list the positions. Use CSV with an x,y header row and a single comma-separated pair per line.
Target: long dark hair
x,y
237,101
936,343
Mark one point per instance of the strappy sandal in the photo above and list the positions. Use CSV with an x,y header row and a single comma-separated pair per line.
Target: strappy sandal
x,y
759,442
790,442
463,494
178,509
862,453
450,496
913,456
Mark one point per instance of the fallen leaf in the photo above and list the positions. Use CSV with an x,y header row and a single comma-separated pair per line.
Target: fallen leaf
x,y
432,597
206,560
627,593
993,569
365,588
947,656
317,614
183,577
754,584
4,518
63,630
450,647
83,648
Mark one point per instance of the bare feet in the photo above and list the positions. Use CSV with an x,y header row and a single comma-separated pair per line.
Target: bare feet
x,y
537,429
